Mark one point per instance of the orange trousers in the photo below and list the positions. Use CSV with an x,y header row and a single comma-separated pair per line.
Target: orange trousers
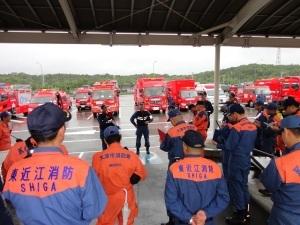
x,y
113,212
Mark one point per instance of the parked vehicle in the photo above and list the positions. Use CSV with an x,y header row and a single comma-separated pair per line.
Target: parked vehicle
x,y
151,92
20,97
210,91
183,92
248,94
107,93
83,98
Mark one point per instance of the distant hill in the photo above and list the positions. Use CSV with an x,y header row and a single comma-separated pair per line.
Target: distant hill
x,y
233,75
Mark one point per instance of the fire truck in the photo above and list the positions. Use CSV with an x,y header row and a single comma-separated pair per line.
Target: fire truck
x,y
5,104
20,97
151,92
82,98
248,94
291,87
43,96
275,86
183,92
107,93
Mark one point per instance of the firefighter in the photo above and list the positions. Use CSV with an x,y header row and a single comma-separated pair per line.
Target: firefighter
x,y
5,131
59,100
195,184
208,106
20,150
140,119
105,119
239,145
282,176
118,169
201,119
50,187
172,143
291,107
267,123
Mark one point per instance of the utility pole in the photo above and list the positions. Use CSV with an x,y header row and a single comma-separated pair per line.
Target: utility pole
x,y
42,73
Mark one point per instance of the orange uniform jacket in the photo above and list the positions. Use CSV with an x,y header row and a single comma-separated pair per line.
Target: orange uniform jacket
x,y
201,124
5,142
114,167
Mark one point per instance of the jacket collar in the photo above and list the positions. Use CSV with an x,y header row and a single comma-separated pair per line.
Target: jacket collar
x,y
50,149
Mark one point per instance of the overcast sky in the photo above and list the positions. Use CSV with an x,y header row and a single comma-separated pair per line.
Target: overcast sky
x,y
97,59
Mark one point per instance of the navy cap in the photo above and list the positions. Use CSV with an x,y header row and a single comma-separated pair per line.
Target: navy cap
x,y
111,130
236,108
259,103
289,102
173,113
193,139
272,106
290,122
4,115
46,119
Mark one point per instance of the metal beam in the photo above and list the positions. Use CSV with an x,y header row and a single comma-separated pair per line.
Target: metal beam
x,y
217,83
187,13
288,26
54,13
284,19
168,15
33,11
69,16
131,12
223,12
112,5
245,14
143,39
274,13
13,12
206,11
150,13
94,12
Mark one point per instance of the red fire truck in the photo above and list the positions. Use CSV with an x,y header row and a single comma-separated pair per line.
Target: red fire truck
x,y
248,94
291,87
183,92
5,104
20,97
82,98
107,93
43,96
275,86
151,92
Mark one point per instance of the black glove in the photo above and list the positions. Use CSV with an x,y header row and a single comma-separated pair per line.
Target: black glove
x,y
134,179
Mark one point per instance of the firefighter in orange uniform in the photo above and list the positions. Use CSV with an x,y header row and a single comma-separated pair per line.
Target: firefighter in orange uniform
x,y
5,142
20,150
201,119
118,170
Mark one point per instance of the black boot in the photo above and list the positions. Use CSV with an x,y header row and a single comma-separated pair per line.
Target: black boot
x,y
147,150
239,217
138,151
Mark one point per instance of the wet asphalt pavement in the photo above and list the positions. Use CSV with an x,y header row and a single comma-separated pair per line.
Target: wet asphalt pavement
x,y
82,140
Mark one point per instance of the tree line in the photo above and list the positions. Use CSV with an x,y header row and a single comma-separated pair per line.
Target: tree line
x,y
233,75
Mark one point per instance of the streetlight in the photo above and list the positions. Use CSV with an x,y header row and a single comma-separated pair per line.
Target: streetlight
x,y
42,73
153,66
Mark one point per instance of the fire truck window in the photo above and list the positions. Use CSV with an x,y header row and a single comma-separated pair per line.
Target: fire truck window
x,y
3,97
286,86
295,86
154,91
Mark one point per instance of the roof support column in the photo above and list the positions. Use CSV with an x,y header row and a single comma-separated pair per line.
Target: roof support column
x,y
217,84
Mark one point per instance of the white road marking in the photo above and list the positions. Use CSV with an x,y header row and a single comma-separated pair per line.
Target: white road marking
x,y
22,117
80,155
88,132
17,121
90,117
88,140
130,148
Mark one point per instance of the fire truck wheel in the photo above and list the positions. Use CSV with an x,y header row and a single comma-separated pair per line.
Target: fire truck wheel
x,y
78,109
95,115
25,114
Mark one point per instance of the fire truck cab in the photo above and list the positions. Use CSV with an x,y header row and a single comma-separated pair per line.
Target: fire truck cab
x,y
183,92
107,93
151,92
20,97
82,98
